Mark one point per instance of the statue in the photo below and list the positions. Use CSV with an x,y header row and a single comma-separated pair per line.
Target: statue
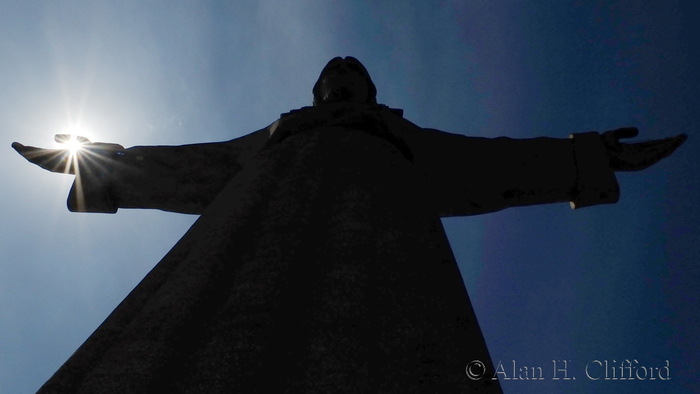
x,y
319,262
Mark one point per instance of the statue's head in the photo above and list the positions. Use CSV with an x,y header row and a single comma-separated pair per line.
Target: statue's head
x,y
344,80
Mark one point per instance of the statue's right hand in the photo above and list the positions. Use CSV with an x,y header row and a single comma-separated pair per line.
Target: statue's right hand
x,y
89,154
55,160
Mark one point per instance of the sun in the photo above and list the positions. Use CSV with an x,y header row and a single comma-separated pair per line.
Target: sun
x,y
72,142
73,145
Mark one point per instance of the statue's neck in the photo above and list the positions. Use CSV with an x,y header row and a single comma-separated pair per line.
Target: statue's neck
x,y
371,118
335,110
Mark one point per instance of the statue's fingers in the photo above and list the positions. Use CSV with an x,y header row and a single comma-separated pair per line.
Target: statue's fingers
x,y
679,140
28,152
645,154
625,132
661,148
18,147
611,138
62,138
666,146
65,138
55,160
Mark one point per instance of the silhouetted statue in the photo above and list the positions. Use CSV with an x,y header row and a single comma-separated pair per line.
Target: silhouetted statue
x,y
319,263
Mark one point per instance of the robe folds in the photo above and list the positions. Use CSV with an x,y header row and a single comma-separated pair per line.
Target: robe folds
x,y
319,263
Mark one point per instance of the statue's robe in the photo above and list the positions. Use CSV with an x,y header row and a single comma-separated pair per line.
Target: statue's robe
x,y
319,263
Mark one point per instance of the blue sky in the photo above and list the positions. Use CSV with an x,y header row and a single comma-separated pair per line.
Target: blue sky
x,y
548,283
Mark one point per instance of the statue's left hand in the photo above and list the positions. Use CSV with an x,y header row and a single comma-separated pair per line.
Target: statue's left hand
x,y
640,155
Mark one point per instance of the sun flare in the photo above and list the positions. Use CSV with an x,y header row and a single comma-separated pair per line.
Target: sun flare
x,y
73,144
71,141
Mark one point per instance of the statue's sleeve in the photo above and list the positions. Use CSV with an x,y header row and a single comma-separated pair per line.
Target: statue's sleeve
x,y
472,175
181,179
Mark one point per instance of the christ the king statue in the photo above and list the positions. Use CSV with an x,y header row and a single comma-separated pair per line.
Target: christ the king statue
x,y
319,263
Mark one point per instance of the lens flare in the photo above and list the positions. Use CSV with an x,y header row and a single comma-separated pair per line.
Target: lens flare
x,y
73,144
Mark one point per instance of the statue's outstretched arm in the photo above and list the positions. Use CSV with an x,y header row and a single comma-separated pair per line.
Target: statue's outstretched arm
x,y
472,175
181,179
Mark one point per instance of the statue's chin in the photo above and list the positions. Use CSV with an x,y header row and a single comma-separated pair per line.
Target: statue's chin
x,y
342,95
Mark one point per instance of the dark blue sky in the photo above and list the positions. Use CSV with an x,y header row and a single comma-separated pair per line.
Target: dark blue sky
x,y
548,283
